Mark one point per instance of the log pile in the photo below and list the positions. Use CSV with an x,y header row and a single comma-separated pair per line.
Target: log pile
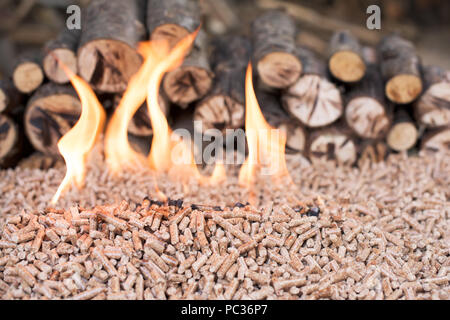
x,y
352,102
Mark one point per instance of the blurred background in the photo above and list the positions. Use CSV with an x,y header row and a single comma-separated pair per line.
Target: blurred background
x,y
26,24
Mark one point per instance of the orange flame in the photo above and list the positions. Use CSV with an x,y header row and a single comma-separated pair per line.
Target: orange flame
x,y
266,145
76,144
118,152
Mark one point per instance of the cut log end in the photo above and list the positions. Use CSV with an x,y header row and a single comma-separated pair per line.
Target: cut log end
x,y
295,136
172,33
333,146
402,136
9,142
187,84
367,117
404,88
220,112
347,66
279,69
108,64
27,77
314,101
4,100
51,66
433,107
48,118
437,140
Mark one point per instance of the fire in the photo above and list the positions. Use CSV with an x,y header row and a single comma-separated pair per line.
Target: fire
x,y
266,145
169,153
118,152
79,141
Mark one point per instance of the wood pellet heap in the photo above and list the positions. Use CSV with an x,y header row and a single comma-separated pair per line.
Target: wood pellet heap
x,y
376,233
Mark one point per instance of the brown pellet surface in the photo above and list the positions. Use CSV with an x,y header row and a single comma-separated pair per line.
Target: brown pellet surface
x,y
380,231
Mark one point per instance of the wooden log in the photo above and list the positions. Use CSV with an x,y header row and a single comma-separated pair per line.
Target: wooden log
x,y
279,119
10,98
51,112
433,108
274,50
345,58
11,142
437,140
172,20
140,125
223,108
401,69
27,72
64,49
41,161
335,143
403,134
106,56
193,79
372,151
313,100
367,112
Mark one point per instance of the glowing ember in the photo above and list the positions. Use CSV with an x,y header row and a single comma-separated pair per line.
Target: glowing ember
x,y
266,145
78,142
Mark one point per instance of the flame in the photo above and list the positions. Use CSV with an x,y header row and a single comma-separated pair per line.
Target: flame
x,y
118,151
266,145
76,144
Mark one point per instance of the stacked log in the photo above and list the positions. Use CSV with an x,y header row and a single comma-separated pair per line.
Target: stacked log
x,y
352,102
223,107
107,56
313,99
274,49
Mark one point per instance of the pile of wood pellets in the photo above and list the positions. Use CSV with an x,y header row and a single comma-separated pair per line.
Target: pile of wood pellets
x,y
171,250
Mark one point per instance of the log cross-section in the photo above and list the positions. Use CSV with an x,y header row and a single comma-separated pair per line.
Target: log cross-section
x,y
10,142
51,112
107,56
401,69
274,49
313,99
62,49
223,107
345,58
172,20
367,112
433,107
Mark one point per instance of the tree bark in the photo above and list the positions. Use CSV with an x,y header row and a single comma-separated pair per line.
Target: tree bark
x,y
313,100
106,56
64,49
10,98
276,116
274,50
367,111
172,20
401,69
403,134
437,140
193,79
223,108
433,108
11,142
345,58
333,143
27,72
51,112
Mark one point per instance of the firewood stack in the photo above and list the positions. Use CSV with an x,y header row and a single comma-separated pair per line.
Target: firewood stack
x,y
359,104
